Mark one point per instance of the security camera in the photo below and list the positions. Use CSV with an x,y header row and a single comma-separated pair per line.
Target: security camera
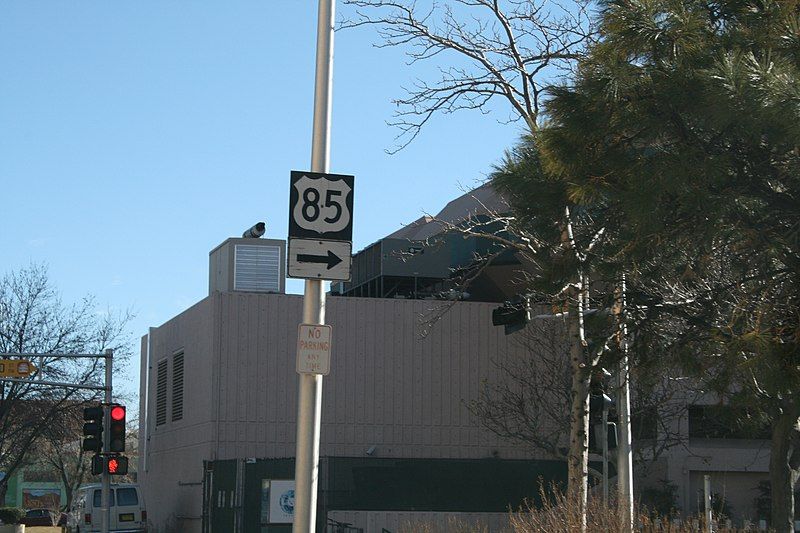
x,y
255,232
371,450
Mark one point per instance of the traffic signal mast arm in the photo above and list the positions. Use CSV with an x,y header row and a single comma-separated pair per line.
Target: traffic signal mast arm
x,y
47,383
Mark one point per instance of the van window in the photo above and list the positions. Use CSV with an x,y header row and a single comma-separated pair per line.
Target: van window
x,y
98,498
127,496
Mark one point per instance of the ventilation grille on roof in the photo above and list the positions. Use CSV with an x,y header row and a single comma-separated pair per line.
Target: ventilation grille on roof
x,y
257,268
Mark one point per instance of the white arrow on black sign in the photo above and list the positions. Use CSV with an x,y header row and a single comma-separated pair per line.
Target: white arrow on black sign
x,y
319,259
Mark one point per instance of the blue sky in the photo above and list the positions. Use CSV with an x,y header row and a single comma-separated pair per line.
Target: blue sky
x,y
137,136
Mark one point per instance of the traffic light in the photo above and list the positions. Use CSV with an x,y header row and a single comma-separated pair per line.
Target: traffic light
x,y
97,465
513,314
115,465
598,403
596,437
116,428
93,429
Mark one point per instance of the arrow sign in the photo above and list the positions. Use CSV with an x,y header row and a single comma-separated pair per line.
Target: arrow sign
x,y
316,259
331,259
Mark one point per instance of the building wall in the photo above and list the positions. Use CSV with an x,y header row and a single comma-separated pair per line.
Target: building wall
x,y
172,455
393,391
389,388
736,467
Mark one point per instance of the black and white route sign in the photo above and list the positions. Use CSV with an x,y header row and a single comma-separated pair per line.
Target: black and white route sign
x,y
320,225
321,206
314,259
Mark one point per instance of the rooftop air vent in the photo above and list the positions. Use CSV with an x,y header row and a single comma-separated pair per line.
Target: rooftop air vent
x,y
248,265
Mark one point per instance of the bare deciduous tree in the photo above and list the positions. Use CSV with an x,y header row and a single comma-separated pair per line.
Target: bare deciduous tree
x,y
33,319
508,50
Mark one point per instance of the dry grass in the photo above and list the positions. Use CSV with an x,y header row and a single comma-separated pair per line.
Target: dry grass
x,y
556,515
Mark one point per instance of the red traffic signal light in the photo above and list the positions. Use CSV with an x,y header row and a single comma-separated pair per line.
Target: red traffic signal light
x,y
117,428
115,465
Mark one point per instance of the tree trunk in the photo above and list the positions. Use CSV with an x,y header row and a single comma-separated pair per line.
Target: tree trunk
x,y
783,467
578,458
578,455
3,490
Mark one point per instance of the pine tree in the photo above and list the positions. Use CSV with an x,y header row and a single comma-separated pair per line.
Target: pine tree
x,y
685,122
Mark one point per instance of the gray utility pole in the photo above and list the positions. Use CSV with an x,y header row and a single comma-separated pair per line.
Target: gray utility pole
x,y
707,502
105,479
309,399
605,453
624,451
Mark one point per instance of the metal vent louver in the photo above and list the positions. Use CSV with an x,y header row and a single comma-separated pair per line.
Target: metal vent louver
x,y
161,393
257,268
177,387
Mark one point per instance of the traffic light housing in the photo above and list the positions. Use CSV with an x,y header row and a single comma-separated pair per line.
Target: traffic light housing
x,y
116,428
93,429
514,314
598,403
115,465
596,437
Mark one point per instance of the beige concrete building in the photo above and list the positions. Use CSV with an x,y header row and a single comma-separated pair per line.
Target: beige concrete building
x,y
399,445
220,384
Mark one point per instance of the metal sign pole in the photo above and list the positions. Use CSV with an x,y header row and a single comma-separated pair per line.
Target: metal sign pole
x,y
309,400
105,479
624,449
605,453
707,499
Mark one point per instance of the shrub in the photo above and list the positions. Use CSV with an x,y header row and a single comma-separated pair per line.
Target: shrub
x,y
11,515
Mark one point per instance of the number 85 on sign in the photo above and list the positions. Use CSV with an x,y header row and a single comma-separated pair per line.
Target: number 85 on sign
x,y
321,206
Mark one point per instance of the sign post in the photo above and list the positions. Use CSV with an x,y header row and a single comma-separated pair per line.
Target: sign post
x,y
320,210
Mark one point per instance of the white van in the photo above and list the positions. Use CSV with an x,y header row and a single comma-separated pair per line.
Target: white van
x,y
127,509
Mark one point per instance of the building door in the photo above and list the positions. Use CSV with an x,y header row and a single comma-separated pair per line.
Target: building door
x,y
223,497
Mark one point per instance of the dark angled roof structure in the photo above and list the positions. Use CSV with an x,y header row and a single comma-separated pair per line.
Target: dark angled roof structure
x,y
423,261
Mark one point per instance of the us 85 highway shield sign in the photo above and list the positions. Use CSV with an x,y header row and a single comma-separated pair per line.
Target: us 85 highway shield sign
x,y
320,226
321,206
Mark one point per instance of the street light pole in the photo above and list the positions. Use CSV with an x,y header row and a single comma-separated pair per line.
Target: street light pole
x,y
309,399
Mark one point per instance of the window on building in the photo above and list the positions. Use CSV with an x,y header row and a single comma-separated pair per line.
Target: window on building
x,y
161,393
725,422
644,423
177,386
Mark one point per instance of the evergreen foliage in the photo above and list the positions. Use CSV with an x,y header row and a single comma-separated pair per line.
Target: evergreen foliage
x,y
683,123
